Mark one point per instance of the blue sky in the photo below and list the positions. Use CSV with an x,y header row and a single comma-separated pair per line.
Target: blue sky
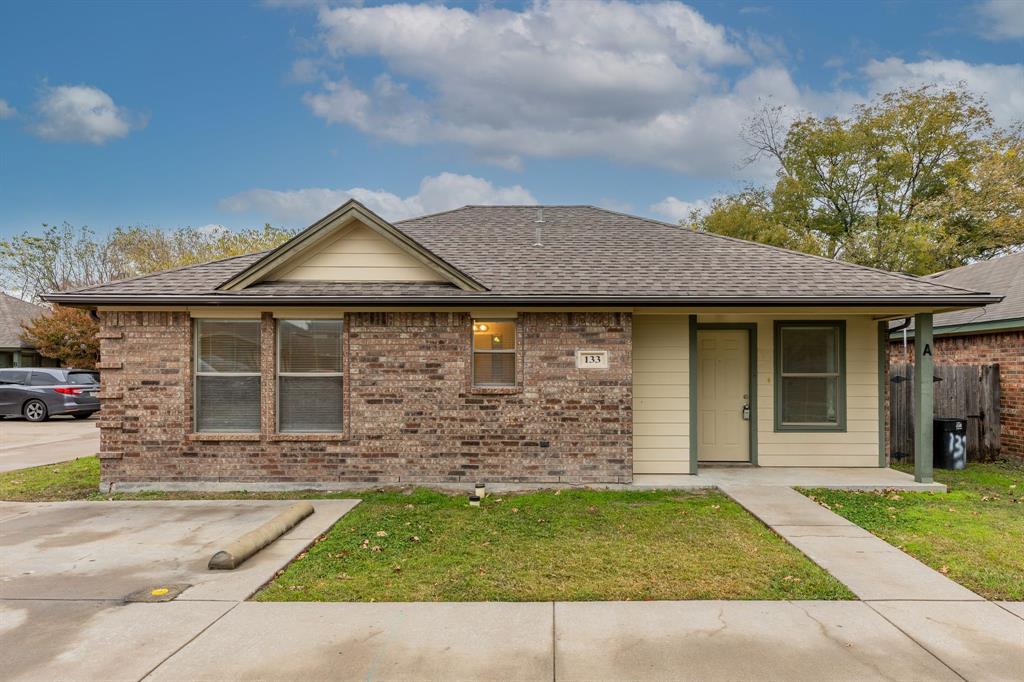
x,y
174,114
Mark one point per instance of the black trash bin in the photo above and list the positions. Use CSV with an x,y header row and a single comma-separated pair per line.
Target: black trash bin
x,y
949,443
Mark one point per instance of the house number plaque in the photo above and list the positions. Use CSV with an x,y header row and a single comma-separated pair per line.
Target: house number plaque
x,y
592,359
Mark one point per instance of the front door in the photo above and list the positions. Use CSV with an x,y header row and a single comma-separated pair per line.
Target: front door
x,y
723,392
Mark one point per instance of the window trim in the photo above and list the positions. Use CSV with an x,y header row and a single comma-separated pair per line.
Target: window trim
x,y
514,352
196,373
839,426
278,374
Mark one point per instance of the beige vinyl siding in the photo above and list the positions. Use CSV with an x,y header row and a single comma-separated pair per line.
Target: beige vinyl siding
x,y
858,445
661,394
360,255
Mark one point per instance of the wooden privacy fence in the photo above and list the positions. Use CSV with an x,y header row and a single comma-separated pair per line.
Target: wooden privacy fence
x,y
965,391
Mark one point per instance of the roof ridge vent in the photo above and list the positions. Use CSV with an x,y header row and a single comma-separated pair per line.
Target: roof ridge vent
x,y
538,222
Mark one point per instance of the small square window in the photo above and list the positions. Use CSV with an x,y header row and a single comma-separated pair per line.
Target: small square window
x,y
494,353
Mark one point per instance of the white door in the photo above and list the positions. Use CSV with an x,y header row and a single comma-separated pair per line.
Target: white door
x,y
723,391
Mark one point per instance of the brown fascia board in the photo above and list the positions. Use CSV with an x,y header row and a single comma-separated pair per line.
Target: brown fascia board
x,y
964,301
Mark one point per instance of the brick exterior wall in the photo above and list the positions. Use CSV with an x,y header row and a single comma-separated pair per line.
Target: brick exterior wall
x,y
412,415
1005,349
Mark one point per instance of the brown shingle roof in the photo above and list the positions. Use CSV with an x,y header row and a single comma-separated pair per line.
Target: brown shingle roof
x,y
1004,276
585,254
14,311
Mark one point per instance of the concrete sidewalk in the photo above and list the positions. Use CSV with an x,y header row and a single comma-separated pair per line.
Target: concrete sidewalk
x,y
703,640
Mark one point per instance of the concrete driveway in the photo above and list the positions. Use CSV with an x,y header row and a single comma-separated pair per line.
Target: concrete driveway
x,y
66,568
27,444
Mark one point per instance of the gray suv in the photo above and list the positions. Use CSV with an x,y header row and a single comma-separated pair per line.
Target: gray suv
x,y
37,393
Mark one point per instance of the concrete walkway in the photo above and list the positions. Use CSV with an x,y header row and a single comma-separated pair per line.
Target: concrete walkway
x,y
976,638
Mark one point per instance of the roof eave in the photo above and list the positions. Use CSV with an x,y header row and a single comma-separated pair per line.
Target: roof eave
x,y
539,301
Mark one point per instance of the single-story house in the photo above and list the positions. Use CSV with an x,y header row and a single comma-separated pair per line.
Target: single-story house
x,y
13,351
984,336
526,344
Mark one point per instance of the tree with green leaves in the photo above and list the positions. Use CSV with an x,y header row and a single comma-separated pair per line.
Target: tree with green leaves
x,y
917,181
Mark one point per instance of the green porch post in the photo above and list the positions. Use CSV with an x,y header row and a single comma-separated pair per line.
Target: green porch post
x,y
16,359
924,397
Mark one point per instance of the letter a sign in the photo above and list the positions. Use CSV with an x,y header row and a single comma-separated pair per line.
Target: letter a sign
x,y
927,349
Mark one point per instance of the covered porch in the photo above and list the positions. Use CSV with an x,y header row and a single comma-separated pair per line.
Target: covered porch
x,y
777,390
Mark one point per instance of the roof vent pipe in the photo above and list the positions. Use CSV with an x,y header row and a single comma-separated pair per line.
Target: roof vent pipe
x,y
538,222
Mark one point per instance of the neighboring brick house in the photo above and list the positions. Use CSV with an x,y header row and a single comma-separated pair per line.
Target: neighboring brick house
x,y
14,352
559,344
984,336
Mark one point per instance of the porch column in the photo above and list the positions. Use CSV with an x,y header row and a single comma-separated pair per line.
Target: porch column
x,y
16,359
924,397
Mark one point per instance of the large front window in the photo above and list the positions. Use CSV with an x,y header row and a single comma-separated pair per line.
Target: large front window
x,y
310,376
809,376
494,353
227,376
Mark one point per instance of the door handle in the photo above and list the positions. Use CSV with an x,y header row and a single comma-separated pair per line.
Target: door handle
x,y
746,412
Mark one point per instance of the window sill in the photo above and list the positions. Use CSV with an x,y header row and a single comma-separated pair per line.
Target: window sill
x,y
810,429
309,437
223,436
495,390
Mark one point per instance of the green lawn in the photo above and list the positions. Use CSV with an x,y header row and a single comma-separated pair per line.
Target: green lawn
x,y
974,533
78,479
573,545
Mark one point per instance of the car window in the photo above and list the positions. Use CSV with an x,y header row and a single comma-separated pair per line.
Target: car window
x,y
13,376
42,379
83,378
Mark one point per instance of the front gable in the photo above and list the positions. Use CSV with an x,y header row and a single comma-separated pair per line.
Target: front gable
x,y
352,244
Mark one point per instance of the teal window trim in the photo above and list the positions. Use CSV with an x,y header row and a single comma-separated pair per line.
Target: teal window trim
x,y
840,425
751,329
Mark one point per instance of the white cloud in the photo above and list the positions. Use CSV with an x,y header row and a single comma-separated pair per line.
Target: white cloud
x,y
1002,85
633,81
674,210
82,113
441,192
6,110
648,83
1002,19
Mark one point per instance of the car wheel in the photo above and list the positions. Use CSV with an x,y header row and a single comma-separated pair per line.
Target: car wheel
x,y
35,411
82,415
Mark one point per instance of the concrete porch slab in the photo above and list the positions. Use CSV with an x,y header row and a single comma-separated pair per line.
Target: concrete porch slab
x,y
718,640
979,640
387,641
867,478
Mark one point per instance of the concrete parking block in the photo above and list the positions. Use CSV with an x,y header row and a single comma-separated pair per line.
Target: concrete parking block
x,y
95,640
396,641
779,506
979,640
722,640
